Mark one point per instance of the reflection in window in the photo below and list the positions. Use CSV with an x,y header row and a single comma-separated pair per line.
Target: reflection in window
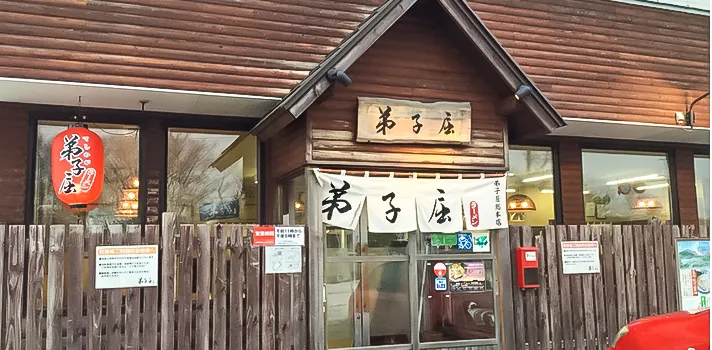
x,y
626,188
118,203
212,177
702,186
462,307
530,187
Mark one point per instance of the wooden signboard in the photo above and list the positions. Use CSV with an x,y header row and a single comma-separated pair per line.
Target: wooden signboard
x,y
384,120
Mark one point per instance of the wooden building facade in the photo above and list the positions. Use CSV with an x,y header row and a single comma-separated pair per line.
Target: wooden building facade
x,y
222,113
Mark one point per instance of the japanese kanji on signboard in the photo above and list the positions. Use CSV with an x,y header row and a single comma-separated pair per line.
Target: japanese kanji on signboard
x,y
397,205
77,167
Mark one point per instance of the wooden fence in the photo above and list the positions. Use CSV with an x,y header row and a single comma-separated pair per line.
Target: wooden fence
x,y
213,292
637,279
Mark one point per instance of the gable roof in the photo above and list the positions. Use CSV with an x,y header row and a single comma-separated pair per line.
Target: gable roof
x,y
311,88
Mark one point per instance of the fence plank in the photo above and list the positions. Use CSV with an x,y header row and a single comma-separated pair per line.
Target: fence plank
x,y
73,276
94,296
543,314
15,271
299,303
599,297
565,294
609,280
202,306
630,274
252,312
132,319
113,299
588,302
185,284
518,296
671,260
35,279
285,335
530,303
640,271
219,290
3,232
620,287
268,306
168,269
552,263
55,286
237,284
649,247
150,300
660,269
575,282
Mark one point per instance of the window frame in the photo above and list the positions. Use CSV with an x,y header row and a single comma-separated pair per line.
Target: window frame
x,y
641,149
694,176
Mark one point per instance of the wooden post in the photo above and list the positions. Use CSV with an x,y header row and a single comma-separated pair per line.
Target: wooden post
x,y
74,272
202,304
185,287
237,284
35,286
640,278
599,296
133,298
168,263
15,271
588,298
518,295
252,312
113,299
504,255
565,294
577,298
543,312
316,264
94,319
219,289
552,266
150,301
55,287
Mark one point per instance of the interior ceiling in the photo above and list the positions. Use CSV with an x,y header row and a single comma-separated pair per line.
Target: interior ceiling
x,y
127,98
593,128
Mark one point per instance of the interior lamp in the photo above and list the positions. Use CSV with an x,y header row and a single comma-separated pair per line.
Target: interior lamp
x,y
517,205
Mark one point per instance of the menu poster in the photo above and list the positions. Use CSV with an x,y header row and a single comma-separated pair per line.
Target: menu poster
x,y
693,258
467,276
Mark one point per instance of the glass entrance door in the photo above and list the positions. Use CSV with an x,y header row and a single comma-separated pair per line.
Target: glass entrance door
x,y
366,288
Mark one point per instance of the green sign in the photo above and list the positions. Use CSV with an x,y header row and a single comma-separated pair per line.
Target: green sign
x,y
443,239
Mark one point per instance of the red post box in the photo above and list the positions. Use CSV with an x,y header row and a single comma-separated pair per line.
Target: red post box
x,y
527,267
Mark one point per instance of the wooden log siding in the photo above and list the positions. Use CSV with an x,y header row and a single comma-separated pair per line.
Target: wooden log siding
x,y
216,316
586,311
256,48
607,60
416,60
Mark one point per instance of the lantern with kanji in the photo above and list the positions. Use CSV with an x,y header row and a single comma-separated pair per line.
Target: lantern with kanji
x,y
77,167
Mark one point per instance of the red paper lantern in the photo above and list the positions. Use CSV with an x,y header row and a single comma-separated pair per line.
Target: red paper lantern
x,y
77,167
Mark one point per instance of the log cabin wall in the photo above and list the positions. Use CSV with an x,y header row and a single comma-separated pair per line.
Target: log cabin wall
x,y
14,155
261,48
416,60
601,59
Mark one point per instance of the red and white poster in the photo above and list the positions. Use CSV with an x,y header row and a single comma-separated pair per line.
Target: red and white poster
x,y
263,236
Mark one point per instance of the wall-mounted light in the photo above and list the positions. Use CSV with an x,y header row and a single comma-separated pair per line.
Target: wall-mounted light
x,y
338,75
538,178
522,92
633,179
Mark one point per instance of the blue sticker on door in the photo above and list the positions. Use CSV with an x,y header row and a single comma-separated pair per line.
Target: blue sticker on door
x,y
440,284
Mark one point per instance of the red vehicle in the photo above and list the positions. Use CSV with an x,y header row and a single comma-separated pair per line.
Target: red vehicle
x,y
682,330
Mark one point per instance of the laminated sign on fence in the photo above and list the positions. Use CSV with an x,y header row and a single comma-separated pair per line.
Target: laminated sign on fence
x,y
127,266
580,257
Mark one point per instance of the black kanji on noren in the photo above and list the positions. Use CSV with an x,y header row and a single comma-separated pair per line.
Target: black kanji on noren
x,y
335,202
70,148
394,210
384,121
447,125
444,212
418,125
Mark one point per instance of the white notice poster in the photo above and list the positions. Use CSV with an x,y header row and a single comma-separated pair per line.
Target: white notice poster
x,y
289,235
126,266
283,259
580,257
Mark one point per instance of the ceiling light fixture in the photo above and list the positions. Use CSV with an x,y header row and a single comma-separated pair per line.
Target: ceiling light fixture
x,y
650,187
633,179
547,191
586,192
538,178
511,190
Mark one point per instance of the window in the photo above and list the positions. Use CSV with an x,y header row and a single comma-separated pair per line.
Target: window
x,y
530,187
212,177
626,188
119,200
702,185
